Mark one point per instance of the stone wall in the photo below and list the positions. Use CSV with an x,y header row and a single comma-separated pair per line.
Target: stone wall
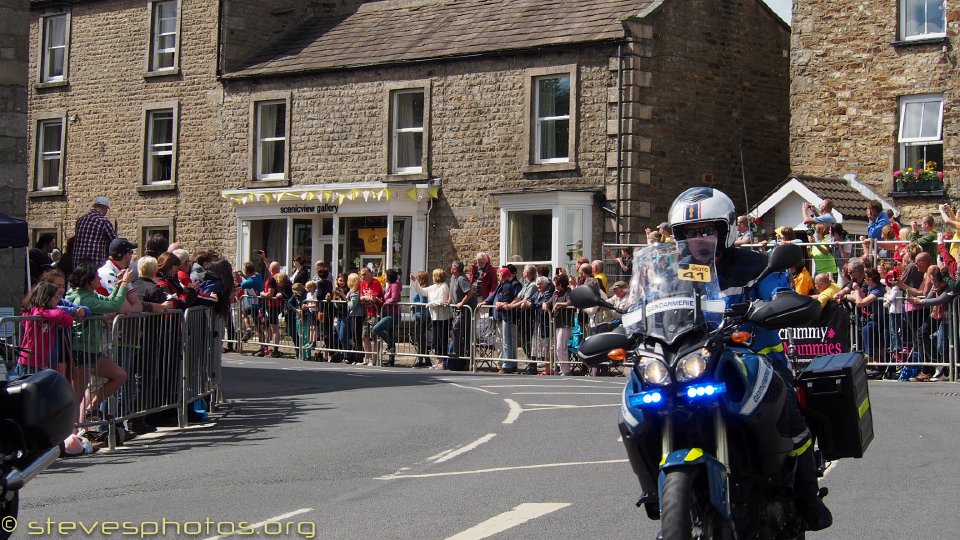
x,y
847,75
14,52
104,104
718,84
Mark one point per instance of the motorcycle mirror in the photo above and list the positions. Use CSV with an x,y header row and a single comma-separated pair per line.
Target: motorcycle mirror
x,y
585,297
783,257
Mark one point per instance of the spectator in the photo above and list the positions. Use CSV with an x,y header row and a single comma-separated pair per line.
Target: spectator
x,y
540,340
524,315
826,288
65,264
386,327
156,245
217,284
87,337
869,299
39,257
502,299
621,295
121,254
371,296
842,248
584,271
169,283
421,317
252,284
40,337
93,234
855,275
310,311
786,235
744,234
912,283
301,270
338,308
326,310
284,290
461,294
823,213
878,219
666,233
952,222
562,320
200,262
887,243
150,294
183,270
356,314
801,280
483,276
295,312
438,304
597,268
273,302
821,251
893,222
893,302
625,260
938,301
925,235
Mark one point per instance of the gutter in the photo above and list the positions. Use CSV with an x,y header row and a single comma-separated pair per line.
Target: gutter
x,y
619,138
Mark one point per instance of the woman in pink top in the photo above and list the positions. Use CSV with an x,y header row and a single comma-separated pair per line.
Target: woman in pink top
x,y
390,315
40,335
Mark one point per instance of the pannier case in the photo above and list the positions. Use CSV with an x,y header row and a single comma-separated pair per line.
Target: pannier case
x,y
836,402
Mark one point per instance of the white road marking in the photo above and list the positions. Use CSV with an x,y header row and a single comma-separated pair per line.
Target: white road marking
x,y
537,386
447,456
395,476
620,438
830,467
548,406
355,375
260,524
472,388
566,393
519,515
515,410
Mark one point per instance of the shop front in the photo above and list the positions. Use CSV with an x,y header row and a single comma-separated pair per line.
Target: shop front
x,y
350,226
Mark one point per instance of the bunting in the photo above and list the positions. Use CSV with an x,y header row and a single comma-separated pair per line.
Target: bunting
x,y
330,196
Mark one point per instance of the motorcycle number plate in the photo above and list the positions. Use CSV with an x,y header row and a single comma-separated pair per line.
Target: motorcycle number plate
x,y
694,272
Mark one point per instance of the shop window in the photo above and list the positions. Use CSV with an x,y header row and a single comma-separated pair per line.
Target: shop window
x,y
922,19
54,48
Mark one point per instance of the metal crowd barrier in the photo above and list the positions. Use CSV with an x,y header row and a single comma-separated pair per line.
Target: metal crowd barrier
x,y
170,360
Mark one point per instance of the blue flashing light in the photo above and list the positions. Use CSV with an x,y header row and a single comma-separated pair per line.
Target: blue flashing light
x,y
653,397
705,390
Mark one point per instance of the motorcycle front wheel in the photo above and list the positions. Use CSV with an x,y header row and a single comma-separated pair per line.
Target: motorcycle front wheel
x,y
8,508
685,514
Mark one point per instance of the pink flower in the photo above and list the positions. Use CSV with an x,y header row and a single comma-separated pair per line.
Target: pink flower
x,y
939,175
897,174
916,174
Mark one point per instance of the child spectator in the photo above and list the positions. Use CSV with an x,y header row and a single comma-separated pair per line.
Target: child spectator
x,y
40,336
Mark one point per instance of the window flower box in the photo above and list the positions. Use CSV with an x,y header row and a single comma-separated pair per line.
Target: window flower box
x,y
912,181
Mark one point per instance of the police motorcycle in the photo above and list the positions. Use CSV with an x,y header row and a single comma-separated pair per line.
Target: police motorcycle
x,y
700,413
36,415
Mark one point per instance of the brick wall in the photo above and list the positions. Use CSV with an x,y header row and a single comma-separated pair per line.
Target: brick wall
x,y
847,76
14,51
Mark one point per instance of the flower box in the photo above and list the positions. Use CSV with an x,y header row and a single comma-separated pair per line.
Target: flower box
x,y
922,185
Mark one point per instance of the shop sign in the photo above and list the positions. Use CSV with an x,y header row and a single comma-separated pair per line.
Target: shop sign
x,y
319,209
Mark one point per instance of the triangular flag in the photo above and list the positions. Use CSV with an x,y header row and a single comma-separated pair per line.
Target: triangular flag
x,y
412,193
387,192
342,197
366,196
435,193
326,195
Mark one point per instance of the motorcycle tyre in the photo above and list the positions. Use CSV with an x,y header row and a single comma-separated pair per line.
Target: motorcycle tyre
x,y
9,509
676,517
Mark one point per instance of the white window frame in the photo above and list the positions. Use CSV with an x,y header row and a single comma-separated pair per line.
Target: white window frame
x,y
904,13
559,204
153,149
153,43
42,156
396,132
539,121
43,66
905,141
258,140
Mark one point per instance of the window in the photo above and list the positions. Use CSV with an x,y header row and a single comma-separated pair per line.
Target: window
x,y
164,39
526,241
407,132
49,166
921,19
546,228
271,140
54,37
920,137
160,146
552,129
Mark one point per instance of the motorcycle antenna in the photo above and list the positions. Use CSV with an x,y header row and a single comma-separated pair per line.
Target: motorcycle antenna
x,y
743,172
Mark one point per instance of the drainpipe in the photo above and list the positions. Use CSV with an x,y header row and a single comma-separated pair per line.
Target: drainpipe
x,y
619,134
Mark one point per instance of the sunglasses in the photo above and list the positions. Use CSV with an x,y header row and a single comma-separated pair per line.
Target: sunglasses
x,y
702,232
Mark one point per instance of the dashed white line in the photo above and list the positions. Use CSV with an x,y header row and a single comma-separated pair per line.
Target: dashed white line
x,y
519,515
566,393
515,410
395,476
249,528
472,388
450,455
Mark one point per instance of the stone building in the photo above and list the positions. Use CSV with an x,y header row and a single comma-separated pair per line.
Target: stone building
x,y
402,133
872,90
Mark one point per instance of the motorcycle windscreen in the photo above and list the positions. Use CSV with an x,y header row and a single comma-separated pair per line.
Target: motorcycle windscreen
x,y
674,285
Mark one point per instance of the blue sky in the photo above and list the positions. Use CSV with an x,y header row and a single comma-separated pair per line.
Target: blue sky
x,y
782,7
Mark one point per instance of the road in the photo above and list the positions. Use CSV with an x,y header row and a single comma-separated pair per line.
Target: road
x,y
324,450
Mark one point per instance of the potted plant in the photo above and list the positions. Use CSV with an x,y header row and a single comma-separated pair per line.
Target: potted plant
x,y
926,179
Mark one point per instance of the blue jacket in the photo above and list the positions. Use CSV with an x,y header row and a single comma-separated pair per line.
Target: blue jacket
x,y
875,227
505,292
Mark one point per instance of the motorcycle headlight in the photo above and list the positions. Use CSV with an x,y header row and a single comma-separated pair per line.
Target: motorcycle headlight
x,y
692,365
655,372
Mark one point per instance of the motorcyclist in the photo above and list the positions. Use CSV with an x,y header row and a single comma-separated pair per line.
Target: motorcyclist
x,y
702,213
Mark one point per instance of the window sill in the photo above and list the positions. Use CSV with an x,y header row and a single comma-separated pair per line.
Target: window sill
x,y
939,193
407,177
52,84
45,193
161,73
533,168
150,188
921,41
255,184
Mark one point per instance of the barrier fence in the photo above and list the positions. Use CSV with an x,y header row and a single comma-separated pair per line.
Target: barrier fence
x,y
123,367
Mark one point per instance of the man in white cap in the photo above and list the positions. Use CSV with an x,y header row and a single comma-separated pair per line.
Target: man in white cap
x,y
93,234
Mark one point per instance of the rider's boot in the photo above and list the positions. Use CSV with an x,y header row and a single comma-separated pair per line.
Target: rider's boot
x,y
807,494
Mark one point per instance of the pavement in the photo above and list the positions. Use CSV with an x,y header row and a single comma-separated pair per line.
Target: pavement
x,y
309,450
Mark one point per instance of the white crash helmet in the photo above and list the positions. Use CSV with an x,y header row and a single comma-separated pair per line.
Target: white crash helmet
x,y
704,205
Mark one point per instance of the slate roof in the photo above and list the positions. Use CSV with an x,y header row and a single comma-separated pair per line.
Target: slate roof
x,y
846,199
397,31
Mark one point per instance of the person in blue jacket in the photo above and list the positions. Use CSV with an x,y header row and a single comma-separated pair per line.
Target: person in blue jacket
x,y
502,299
